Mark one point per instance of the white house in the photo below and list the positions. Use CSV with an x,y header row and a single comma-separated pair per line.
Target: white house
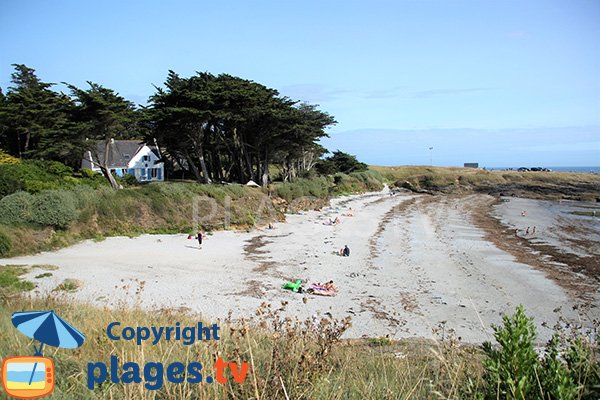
x,y
128,157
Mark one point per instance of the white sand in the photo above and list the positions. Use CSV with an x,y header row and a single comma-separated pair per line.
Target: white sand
x,y
428,264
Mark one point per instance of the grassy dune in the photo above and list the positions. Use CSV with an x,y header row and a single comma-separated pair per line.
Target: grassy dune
x,y
549,185
83,212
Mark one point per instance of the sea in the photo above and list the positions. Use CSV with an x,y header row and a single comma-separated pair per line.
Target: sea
x,y
593,170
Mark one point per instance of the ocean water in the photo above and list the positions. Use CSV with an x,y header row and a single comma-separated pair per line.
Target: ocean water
x,y
593,170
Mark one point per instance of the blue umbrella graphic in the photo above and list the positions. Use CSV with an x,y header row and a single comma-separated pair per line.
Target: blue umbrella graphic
x,y
48,328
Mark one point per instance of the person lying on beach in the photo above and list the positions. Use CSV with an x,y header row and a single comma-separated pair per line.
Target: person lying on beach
x,y
330,286
321,289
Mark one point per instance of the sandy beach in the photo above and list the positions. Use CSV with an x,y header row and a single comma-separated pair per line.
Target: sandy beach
x,y
417,263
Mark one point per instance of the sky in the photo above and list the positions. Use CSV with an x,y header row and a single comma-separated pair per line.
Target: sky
x,y
503,83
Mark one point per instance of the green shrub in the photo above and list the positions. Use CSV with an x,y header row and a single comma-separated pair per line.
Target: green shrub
x,y
36,186
554,376
54,208
515,371
128,180
5,244
511,369
16,208
35,176
9,183
88,173
60,169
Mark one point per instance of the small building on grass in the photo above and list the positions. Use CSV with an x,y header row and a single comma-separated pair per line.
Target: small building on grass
x,y
132,157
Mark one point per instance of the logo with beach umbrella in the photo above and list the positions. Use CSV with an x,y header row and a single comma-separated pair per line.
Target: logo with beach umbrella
x,y
32,377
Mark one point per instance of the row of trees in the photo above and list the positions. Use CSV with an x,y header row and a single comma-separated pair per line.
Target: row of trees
x,y
213,127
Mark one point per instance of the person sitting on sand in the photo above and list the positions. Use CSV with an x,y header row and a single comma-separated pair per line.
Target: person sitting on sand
x,y
346,251
330,286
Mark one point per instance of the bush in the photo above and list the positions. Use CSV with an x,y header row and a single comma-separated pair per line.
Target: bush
x,y
511,369
88,173
7,158
5,244
60,169
54,208
16,208
129,180
35,176
36,186
514,370
9,183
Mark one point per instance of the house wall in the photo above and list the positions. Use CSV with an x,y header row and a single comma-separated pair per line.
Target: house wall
x,y
143,168
139,167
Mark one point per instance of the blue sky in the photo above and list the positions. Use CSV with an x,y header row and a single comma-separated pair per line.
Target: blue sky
x,y
502,83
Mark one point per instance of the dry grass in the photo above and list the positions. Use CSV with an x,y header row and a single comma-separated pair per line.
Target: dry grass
x,y
287,357
549,185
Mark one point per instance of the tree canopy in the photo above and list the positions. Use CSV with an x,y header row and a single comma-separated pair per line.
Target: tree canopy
x,y
215,128
228,128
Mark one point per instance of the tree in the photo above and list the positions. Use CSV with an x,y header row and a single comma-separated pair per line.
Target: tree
x,y
101,116
181,117
341,162
34,120
301,150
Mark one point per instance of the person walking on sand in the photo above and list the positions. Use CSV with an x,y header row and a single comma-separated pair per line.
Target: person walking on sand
x,y
533,230
199,237
527,231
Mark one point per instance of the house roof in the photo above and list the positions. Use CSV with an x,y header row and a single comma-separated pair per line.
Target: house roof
x,y
121,152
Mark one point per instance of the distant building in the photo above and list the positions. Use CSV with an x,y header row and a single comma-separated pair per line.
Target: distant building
x,y
128,157
471,165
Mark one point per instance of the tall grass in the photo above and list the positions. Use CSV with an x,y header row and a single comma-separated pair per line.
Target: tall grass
x,y
288,358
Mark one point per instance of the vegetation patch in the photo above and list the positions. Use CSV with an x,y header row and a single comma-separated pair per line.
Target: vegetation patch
x,y
541,185
45,267
587,213
10,278
69,285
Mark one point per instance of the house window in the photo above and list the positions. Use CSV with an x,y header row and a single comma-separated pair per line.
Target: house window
x,y
145,158
154,173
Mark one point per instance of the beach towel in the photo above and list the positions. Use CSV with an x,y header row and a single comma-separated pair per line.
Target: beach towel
x,y
319,290
295,286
